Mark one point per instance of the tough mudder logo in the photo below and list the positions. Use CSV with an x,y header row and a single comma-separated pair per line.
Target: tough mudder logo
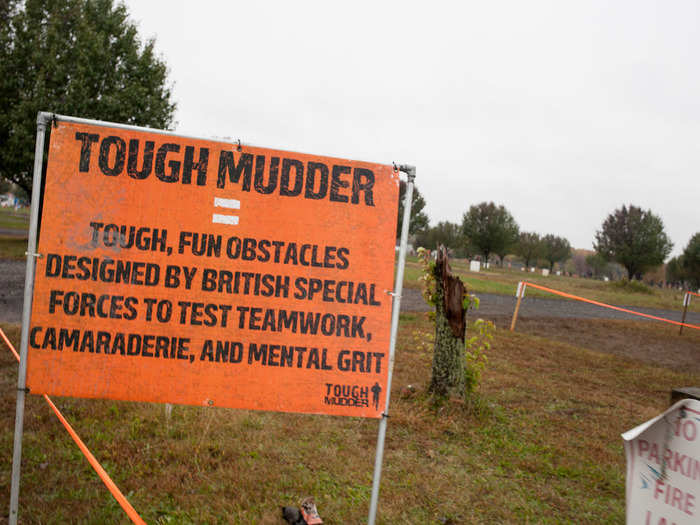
x,y
351,395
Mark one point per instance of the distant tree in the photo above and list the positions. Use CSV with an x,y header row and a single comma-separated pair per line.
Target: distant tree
x,y
419,219
675,274
597,263
529,247
634,238
691,261
555,249
489,228
579,266
5,186
446,233
74,57
10,187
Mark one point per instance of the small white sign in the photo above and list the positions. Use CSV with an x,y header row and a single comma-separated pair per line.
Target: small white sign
x,y
474,266
532,270
232,204
545,271
663,467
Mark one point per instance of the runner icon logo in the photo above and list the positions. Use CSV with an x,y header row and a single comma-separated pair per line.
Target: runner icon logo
x,y
347,395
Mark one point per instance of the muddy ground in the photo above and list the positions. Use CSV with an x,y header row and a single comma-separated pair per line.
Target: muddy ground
x,y
591,327
652,342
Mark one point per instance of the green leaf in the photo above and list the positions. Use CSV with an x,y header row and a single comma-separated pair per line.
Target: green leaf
x,y
74,57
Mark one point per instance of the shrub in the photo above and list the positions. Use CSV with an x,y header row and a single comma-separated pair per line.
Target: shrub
x,y
625,285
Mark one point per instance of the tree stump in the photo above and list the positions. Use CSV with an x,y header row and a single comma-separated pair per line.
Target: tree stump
x,y
448,375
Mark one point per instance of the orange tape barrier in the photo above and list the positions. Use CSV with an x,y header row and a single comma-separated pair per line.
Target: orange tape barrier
x,y
113,489
9,344
693,293
604,305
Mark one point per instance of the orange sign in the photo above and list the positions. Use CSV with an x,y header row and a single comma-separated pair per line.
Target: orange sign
x,y
198,272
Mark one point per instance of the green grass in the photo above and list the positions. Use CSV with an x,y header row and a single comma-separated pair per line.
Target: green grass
x,y
13,241
631,287
12,247
12,219
528,449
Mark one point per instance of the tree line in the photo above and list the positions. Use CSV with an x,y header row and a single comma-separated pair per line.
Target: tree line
x,y
489,231
629,236
73,57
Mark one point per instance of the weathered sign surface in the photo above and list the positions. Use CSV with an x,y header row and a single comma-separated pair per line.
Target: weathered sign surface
x,y
198,272
663,467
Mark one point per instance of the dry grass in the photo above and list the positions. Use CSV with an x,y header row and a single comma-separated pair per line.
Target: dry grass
x,y
656,343
541,444
13,247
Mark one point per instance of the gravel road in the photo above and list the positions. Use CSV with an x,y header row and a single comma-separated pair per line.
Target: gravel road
x,y
12,292
502,305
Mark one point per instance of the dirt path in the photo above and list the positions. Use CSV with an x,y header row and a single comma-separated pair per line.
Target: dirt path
x,y
657,343
592,327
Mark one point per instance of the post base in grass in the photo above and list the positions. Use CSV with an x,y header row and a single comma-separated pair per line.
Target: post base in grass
x,y
688,392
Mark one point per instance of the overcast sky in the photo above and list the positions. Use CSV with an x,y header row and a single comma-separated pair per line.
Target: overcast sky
x,y
561,111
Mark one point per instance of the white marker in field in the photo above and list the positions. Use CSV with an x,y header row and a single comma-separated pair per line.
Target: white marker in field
x,y
232,204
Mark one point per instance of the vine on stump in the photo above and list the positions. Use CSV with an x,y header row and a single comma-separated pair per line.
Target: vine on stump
x,y
457,361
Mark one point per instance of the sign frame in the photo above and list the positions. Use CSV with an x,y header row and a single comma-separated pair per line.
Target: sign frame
x,y
44,120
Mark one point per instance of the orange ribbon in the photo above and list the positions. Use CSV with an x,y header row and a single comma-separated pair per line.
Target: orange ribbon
x,y
130,511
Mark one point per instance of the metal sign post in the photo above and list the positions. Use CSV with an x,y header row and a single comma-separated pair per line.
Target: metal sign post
x,y
686,302
520,293
41,122
411,172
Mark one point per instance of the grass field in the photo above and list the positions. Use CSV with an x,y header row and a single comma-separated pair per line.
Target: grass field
x,y
505,282
12,247
13,232
11,219
541,444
